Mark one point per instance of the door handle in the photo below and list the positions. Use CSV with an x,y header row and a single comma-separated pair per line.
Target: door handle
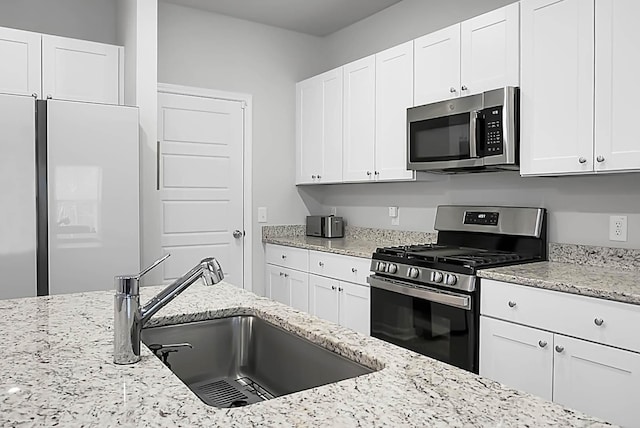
x,y
237,234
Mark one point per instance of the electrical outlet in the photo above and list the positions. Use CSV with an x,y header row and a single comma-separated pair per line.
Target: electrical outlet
x,y
618,228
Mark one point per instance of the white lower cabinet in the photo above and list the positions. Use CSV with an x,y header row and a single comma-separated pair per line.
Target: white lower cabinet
x,y
288,286
548,360
329,286
517,356
340,302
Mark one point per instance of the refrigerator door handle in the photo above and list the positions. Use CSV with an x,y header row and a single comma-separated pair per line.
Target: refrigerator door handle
x,y
158,166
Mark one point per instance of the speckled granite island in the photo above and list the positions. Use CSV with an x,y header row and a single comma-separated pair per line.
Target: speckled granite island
x,y
58,371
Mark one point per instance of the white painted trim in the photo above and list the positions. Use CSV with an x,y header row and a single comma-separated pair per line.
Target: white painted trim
x,y
247,99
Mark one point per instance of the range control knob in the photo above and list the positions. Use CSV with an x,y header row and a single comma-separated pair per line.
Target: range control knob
x,y
436,276
382,266
451,279
392,268
413,273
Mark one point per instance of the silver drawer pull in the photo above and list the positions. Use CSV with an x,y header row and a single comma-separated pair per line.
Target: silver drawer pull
x,y
542,344
354,270
333,287
512,304
321,264
559,349
598,321
281,273
284,257
286,275
340,288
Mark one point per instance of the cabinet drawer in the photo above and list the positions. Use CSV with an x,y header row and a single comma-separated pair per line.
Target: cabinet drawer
x,y
294,258
597,320
345,268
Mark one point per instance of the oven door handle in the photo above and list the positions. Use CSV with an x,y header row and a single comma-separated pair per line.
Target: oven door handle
x,y
431,294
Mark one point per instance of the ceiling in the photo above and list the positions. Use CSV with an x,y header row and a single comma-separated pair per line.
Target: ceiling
x,y
314,17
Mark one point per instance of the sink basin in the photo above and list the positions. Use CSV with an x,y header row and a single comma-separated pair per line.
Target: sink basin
x,y
242,360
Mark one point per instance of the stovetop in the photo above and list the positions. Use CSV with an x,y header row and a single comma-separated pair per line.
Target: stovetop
x,y
429,254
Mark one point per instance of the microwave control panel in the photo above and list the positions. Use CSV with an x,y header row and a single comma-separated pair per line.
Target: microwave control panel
x,y
492,130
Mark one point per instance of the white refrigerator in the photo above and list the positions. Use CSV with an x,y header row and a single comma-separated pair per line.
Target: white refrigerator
x,y
69,198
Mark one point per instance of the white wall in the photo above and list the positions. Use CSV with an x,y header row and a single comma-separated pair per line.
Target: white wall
x,y
81,19
579,206
400,23
202,49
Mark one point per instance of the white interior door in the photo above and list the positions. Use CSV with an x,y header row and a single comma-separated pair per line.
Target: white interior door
x,y
93,195
18,197
200,180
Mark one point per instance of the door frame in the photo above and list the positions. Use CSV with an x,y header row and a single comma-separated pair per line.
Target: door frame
x,y
246,101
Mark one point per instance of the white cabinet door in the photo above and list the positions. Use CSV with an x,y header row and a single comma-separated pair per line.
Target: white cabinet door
x,y
557,86
490,56
597,379
394,94
355,307
617,146
79,70
299,286
319,128
517,356
437,66
359,120
278,288
323,298
20,59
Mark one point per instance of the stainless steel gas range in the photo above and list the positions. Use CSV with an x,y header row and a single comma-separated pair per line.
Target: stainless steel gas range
x,y
427,297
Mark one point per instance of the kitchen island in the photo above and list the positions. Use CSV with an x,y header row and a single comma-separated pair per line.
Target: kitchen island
x,y
58,371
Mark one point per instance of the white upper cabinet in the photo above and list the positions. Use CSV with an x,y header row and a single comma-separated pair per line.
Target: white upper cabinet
x,y
490,55
394,94
617,67
359,120
474,56
556,134
79,70
319,129
20,59
437,66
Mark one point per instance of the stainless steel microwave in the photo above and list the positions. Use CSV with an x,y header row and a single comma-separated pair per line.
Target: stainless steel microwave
x,y
476,132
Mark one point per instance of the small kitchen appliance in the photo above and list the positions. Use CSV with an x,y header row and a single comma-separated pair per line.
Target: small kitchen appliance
x,y
473,133
426,298
325,226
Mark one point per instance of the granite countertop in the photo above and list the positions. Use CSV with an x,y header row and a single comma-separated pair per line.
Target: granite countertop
x,y
57,370
358,241
593,281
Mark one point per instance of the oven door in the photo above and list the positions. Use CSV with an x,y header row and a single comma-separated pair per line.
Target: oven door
x,y
444,135
440,324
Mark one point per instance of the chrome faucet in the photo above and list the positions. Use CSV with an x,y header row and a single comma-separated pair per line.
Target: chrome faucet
x,y
129,318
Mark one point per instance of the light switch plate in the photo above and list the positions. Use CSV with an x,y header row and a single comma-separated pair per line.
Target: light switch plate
x,y
262,214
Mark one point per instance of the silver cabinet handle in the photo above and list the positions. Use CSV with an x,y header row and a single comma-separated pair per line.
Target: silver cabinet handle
x,y
354,270
600,158
333,287
376,172
313,177
582,160
464,87
512,304
559,349
49,97
598,321
368,172
340,288
284,257
237,234
281,273
542,344
34,95
452,90
319,177
321,264
286,275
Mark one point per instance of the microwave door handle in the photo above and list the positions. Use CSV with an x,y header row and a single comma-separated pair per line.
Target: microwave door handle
x,y
473,138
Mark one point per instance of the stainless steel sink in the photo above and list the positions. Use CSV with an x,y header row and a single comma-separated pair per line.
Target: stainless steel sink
x,y
242,360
